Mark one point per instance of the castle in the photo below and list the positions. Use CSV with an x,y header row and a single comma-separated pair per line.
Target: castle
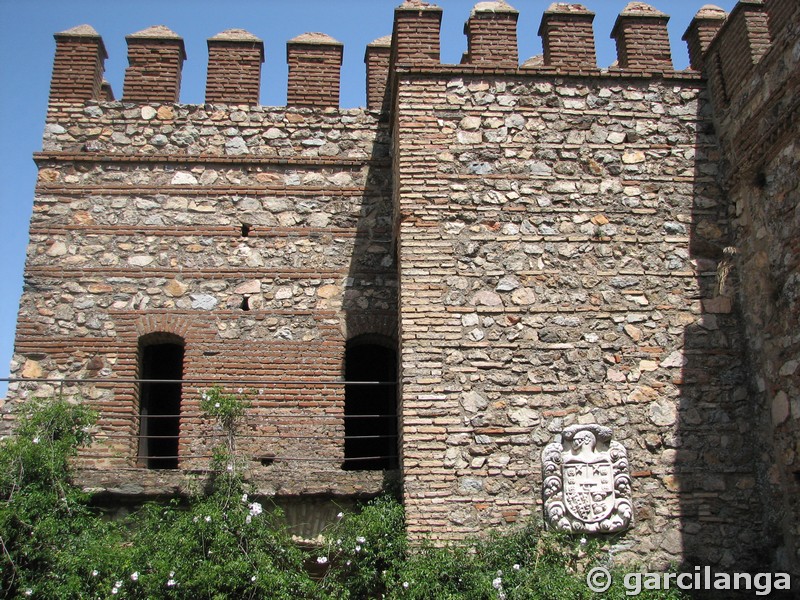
x,y
429,290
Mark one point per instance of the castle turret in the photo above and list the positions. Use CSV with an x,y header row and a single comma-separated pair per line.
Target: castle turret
x,y
78,66
642,39
315,63
155,58
568,37
492,35
234,67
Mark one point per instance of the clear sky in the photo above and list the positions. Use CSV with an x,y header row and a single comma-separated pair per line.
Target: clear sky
x,y
26,56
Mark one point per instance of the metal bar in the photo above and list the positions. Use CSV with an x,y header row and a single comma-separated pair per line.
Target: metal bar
x,y
217,381
123,436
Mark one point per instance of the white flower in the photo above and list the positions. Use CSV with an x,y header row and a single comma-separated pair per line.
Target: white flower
x,y
114,591
361,539
35,441
339,542
405,585
349,562
135,576
248,519
118,584
358,548
340,515
501,596
216,404
497,583
583,541
256,509
172,574
321,560
29,592
240,390
196,519
253,578
208,519
170,583
516,567
95,573
244,497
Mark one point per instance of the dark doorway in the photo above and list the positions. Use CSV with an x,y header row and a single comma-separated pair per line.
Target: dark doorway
x,y
370,424
160,404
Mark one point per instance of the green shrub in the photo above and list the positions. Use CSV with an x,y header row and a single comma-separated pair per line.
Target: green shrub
x,y
226,545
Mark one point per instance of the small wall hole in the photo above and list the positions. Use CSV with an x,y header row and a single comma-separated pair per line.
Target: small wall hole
x,y
246,229
245,305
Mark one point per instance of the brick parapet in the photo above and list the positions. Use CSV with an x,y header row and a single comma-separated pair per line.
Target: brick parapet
x,y
234,68
155,59
378,60
492,35
568,37
315,62
416,33
701,32
78,66
642,39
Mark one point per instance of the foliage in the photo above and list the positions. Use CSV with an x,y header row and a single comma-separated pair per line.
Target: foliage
x,y
227,545
365,550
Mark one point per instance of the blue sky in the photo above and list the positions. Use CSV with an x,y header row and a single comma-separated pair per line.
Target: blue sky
x,y
26,55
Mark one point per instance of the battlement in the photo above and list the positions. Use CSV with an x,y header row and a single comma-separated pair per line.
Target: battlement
x,y
156,55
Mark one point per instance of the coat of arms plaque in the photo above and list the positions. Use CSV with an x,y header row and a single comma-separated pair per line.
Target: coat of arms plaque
x,y
587,487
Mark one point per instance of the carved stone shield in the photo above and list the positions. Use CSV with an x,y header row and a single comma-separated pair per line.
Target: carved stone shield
x,y
586,482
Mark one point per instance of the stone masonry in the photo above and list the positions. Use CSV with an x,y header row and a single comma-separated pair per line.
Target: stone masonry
x,y
543,246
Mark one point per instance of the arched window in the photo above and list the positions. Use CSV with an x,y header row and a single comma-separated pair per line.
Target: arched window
x,y
160,360
370,424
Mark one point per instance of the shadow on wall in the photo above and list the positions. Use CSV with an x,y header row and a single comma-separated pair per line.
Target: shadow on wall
x,y
370,306
715,449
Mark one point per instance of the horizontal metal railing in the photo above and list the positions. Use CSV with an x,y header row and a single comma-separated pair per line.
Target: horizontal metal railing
x,y
269,415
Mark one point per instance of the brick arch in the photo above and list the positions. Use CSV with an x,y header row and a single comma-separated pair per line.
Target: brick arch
x,y
381,325
163,324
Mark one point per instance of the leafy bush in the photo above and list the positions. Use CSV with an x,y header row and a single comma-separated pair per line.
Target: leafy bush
x,y
226,545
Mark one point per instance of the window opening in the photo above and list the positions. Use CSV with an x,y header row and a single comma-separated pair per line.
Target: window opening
x,y
370,424
160,404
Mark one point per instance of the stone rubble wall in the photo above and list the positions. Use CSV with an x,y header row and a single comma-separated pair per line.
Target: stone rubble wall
x,y
558,249
759,130
138,228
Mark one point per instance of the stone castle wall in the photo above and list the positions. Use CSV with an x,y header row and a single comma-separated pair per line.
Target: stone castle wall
x,y
558,265
545,245
148,218
758,120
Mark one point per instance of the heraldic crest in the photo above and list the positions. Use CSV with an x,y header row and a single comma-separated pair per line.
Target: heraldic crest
x,y
587,487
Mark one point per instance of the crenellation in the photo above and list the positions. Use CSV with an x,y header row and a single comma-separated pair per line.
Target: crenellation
x,y
155,59
701,32
415,35
568,36
492,35
315,62
642,40
234,68
78,66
